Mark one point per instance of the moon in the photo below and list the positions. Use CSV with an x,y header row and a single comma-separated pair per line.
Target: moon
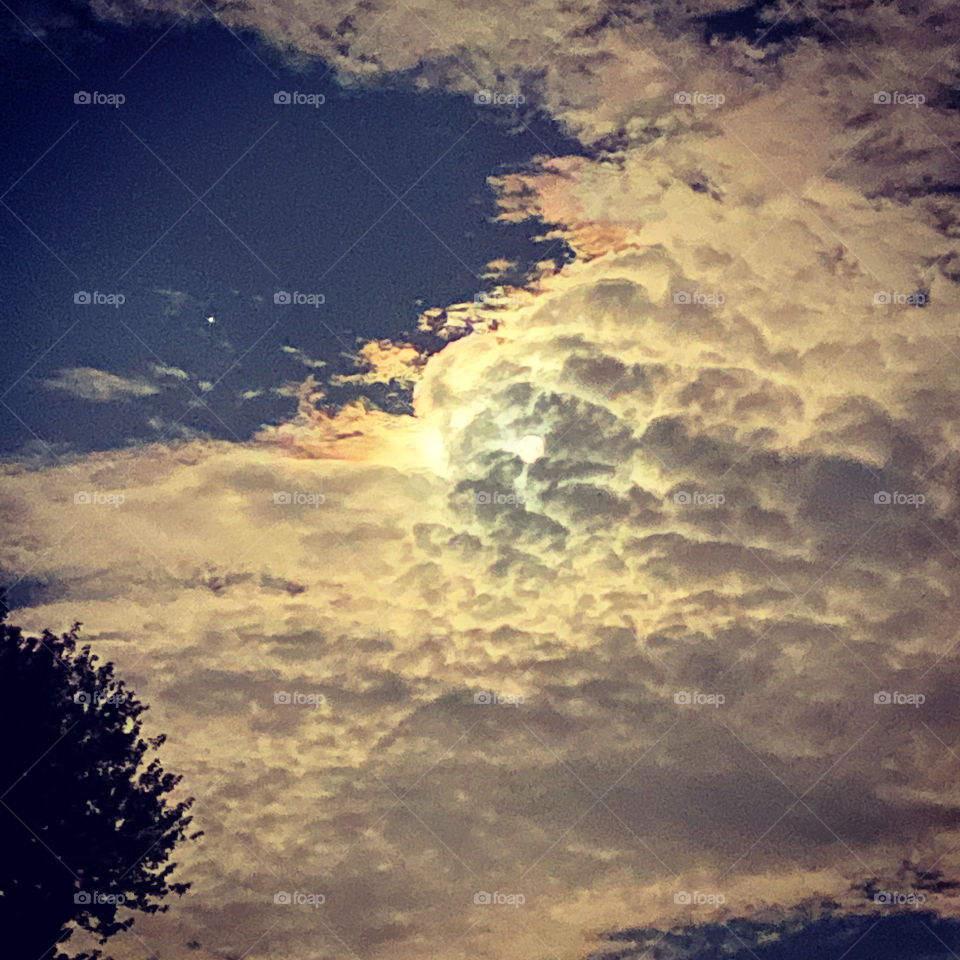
x,y
530,448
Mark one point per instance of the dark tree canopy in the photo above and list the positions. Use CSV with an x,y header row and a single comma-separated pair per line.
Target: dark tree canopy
x,y
86,826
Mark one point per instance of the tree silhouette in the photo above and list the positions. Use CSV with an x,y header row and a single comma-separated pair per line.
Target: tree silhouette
x,y
86,827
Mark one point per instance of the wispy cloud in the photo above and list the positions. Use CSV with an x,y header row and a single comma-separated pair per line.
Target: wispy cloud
x,y
89,383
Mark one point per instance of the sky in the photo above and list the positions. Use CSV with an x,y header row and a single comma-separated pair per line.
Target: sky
x,y
609,614
200,197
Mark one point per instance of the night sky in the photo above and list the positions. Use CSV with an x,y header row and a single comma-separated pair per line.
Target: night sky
x,y
198,196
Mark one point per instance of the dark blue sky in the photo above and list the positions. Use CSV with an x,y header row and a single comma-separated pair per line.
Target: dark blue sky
x,y
917,935
298,198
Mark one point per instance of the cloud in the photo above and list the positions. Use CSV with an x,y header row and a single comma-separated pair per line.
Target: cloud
x,y
172,429
383,361
175,301
612,75
174,372
88,383
703,523
306,360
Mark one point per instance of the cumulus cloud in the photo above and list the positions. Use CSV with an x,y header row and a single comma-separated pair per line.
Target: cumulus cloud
x,y
703,524
383,361
612,73
703,642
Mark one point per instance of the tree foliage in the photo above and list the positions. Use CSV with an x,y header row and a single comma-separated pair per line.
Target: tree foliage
x,y
88,825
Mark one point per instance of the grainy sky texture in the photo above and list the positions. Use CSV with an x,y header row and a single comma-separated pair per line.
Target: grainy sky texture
x,y
647,615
